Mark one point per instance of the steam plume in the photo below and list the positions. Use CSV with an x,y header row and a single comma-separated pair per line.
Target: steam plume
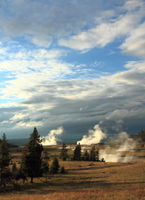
x,y
52,137
115,154
94,136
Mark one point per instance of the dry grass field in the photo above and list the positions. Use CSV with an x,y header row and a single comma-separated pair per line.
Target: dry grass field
x,y
87,181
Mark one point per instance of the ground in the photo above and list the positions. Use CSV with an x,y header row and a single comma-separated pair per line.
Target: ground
x,y
87,181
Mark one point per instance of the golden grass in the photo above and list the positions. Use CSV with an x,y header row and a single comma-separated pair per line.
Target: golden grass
x,y
87,181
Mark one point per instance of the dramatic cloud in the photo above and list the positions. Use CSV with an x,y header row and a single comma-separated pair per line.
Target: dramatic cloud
x,y
73,64
118,98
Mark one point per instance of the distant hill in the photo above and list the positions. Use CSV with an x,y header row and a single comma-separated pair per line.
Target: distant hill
x,y
10,145
18,142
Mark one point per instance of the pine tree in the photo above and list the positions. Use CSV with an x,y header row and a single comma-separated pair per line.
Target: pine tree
x,y
33,160
63,153
141,135
54,166
86,156
62,170
4,160
45,168
45,164
97,156
14,171
45,155
93,153
77,152
23,166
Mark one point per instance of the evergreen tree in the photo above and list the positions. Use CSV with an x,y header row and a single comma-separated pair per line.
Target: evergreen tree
x,y
77,152
54,166
45,168
45,164
4,160
14,171
141,135
32,160
86,156
62,170
63,153
93,153
97,156
45,155
23,166
22,172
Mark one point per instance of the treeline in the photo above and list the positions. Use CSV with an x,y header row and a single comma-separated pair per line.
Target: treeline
x,y
33,163
140,137
80,155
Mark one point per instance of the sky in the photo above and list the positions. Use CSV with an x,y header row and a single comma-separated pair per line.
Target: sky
x,y
72,64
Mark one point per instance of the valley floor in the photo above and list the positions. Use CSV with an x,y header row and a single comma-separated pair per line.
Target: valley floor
x,y
87,181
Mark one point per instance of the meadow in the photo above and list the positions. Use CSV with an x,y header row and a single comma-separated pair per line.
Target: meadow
x,y
87,181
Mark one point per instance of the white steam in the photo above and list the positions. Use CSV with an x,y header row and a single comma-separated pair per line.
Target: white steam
x,y
115,151
94,136
53,137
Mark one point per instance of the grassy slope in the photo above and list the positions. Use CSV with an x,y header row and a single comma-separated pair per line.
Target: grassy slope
x,y
87,181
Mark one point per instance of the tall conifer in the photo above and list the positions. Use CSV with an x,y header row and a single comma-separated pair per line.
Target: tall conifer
x,y
4,160
33,158
93,153
63,153
77,152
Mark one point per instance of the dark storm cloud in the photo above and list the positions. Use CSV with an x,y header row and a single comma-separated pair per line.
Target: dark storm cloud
x,y
117,106
116,102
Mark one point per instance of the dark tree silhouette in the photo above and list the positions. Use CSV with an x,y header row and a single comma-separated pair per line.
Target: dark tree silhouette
x,y
4,161
141,135
45,168
62,170
63,153
93,153
45,155
97,156
54,166
45,164
14,171
32,160
86,156
77,152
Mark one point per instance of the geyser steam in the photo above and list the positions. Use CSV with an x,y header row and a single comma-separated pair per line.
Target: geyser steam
x,y
94,136
114,152
53,137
